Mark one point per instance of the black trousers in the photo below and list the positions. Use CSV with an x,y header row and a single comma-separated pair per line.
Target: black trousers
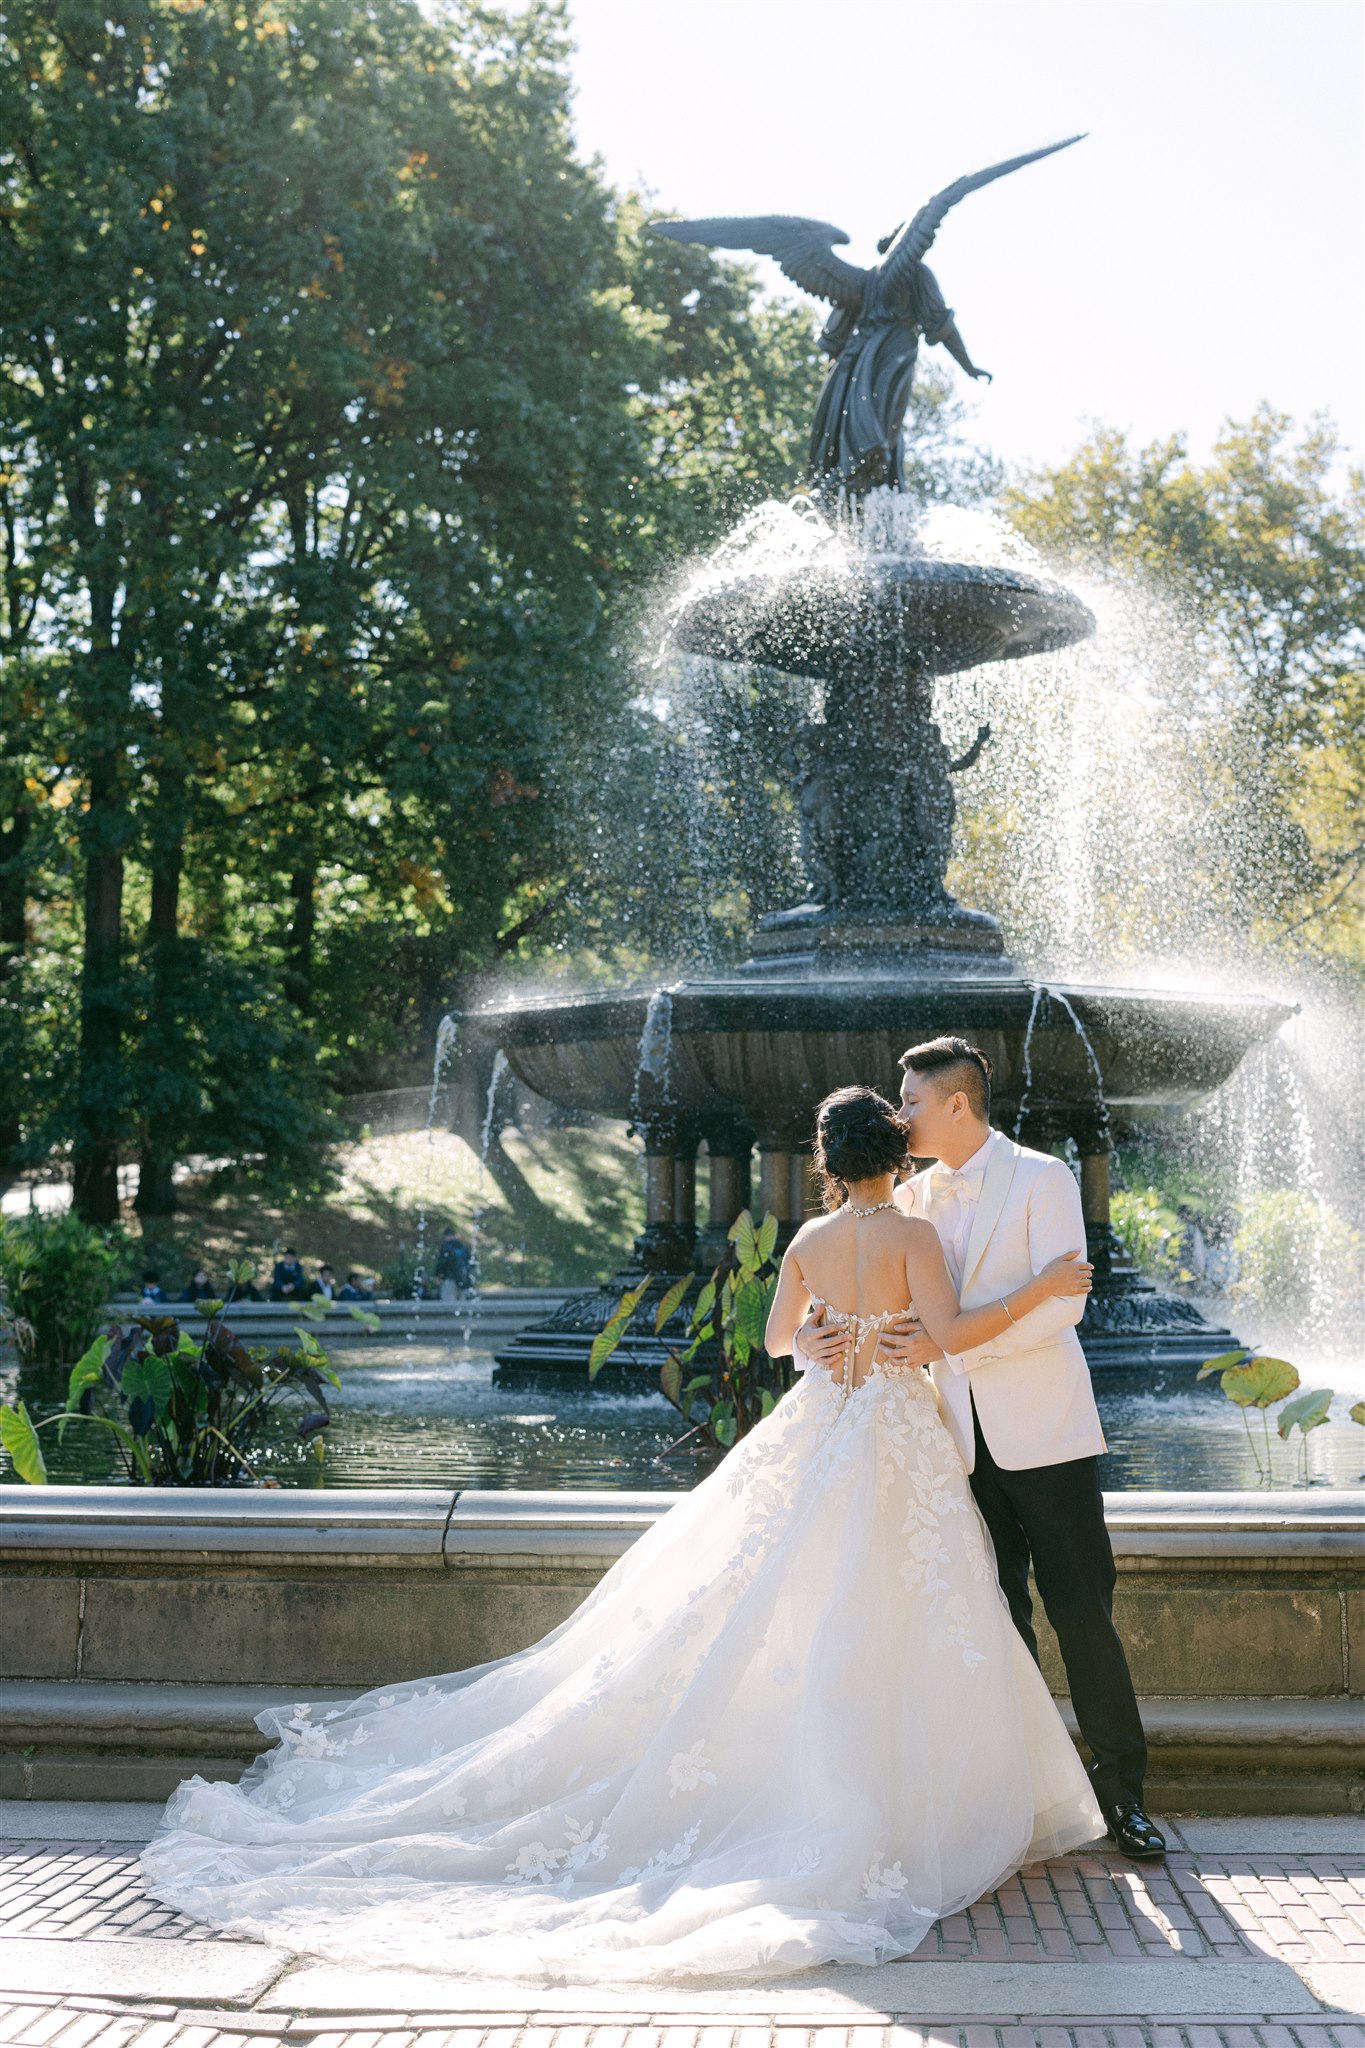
x,y
1054,1514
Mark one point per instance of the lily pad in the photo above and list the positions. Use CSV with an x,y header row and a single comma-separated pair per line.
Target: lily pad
x,y
1221,1363
1259,1383
1305,1411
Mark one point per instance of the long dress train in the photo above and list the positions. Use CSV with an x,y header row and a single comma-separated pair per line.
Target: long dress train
x,y
792,1725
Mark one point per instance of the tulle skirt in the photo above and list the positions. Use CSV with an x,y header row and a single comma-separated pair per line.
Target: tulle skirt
x,y
793,1725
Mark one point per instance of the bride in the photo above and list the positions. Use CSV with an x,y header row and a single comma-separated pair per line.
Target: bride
x,y
793,1725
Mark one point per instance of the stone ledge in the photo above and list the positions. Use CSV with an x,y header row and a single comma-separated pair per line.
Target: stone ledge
x,y
106,1741
439,1526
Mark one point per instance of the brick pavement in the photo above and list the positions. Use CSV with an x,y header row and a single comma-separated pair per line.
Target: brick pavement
x,y
1294,1909
1230,1911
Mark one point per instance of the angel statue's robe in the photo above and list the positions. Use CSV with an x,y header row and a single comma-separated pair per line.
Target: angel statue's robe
x,y
856,440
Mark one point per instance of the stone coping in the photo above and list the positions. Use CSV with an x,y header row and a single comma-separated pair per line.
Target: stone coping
x,y
437,1526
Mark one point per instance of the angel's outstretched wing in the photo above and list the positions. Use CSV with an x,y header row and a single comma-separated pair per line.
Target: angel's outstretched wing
x,y
915,237
804,248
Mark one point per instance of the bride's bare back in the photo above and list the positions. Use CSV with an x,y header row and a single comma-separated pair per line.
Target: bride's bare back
x,y
856,1267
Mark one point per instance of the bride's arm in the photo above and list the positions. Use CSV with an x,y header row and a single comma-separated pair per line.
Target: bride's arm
x,y
790,1305
954,1328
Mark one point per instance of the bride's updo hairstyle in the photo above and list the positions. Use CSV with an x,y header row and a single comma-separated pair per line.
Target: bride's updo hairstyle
x,y
857,1136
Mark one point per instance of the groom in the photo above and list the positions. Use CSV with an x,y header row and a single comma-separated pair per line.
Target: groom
x,y
1021,1408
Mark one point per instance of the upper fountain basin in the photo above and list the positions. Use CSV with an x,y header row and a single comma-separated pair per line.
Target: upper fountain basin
x,y
768,1052
881,615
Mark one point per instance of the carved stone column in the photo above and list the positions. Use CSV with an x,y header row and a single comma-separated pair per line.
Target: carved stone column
x,y
729,1145
665,1243
805,1187
779,1155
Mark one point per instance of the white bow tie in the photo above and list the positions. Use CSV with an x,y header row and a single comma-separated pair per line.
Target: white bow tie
x,y
962,1183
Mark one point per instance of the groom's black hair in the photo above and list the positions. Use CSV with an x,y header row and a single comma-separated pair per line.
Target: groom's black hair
x,y
956,1063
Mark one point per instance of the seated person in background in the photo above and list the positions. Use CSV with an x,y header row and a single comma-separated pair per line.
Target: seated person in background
x,y
355,1289
326,1283
200,1287
454,1265
288,1282
152,1290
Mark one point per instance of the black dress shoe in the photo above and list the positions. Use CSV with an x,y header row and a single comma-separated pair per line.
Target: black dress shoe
x,y
1133,1830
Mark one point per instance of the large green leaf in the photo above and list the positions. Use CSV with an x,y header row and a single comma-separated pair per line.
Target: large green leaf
x,y
705,1302
670,1379
20,1439
767,1237
147,1378
1357,1414
607,1338
1221,1363
366,1318
1260,1382
86,1372
1305,1411
744,1238
671,1302
751,1310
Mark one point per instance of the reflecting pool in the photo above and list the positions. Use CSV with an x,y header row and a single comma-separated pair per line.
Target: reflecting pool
x,y
424,1416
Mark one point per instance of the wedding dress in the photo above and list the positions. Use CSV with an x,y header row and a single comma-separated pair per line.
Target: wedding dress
x,y
792,1725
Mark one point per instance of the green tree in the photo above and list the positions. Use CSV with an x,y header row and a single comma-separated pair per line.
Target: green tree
x,y
280,401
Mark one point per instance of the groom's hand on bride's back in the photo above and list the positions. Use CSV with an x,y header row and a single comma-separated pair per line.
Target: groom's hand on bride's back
x,y
907,1342
821,1343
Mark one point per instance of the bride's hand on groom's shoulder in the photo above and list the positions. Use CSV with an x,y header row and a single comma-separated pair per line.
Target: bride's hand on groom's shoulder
x,y
908,1343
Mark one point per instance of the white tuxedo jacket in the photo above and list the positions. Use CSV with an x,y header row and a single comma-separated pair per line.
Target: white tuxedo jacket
x,y
1031,1385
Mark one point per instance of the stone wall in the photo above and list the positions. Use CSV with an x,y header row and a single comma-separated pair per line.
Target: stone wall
x,y
1244,1615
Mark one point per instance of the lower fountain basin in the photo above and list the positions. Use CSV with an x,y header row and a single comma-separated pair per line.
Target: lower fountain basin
x,y
767,1051
878,614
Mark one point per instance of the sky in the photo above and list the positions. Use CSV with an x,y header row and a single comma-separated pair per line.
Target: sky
x,y
1201,252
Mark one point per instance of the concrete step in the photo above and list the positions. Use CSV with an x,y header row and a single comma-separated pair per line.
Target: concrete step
x,y
63,1740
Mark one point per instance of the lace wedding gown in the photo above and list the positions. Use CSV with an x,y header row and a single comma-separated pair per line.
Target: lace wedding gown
x,y
792,1725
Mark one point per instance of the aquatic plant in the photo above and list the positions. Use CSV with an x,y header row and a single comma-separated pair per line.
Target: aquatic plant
x,y
56,1273
736,1383
1253,1381
184,1411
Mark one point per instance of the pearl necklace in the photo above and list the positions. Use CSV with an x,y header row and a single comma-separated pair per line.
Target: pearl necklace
x,y
871,1211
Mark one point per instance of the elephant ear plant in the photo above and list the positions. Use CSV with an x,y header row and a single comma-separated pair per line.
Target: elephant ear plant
x,y
184,1411
736,1383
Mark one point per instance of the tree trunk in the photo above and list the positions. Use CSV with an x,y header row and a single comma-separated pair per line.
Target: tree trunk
x,y
99,1091
13,937
157,1153
298,939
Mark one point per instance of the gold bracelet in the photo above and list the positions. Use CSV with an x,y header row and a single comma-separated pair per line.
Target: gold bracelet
x,y
1005,1305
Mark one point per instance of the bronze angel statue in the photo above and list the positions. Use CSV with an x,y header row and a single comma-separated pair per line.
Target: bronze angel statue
x,y
874,331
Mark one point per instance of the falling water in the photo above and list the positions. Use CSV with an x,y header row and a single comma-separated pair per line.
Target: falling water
x,y
1101,1105
447,1035
1029,1030
656,1049
501,1069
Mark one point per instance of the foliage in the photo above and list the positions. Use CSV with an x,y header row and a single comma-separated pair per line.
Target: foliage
x,y
1294,1253
1254,1381
1150,1232
1263,550
735,1383
289,612
56,1273
181,1412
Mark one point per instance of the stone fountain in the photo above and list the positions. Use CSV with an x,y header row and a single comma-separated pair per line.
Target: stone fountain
x,y
879,955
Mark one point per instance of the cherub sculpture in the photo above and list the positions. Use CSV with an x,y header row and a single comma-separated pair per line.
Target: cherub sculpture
x,y
873,334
